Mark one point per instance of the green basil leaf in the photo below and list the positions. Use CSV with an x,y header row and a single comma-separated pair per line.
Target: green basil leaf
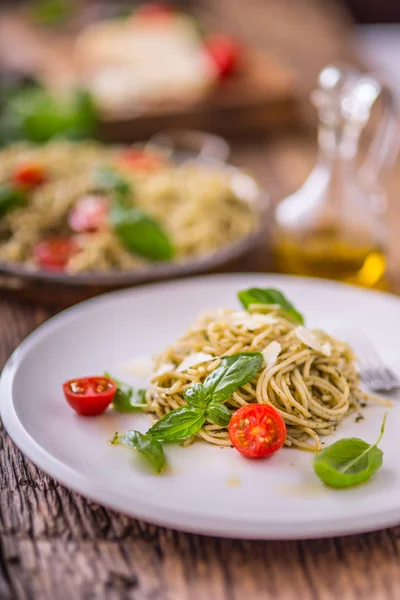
x,y
179,424
233,372
108,180
146,444
269,296
219,413
127,398
349,462
33,113
50,12
10,198
140,233
84,113
196,395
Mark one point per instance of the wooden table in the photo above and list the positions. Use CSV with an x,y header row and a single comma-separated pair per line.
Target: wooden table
x,y
54,544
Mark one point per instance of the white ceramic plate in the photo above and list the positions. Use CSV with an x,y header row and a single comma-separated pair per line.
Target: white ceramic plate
x,y
205,489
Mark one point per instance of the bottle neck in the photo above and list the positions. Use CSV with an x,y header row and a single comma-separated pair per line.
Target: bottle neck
x,y
338,143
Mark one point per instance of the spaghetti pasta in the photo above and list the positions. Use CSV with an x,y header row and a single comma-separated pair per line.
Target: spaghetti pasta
x,y
194,204
308,376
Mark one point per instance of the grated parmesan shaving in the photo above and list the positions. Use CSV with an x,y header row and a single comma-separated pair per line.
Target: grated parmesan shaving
x,y
271,353
194,359
165,368
310,339
252,321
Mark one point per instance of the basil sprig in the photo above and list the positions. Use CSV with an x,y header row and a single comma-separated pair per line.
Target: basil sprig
x,y
205,400
108,180
179,424
127,398
146,444
139,233
349,462
219,413
11,197
269,296
233,372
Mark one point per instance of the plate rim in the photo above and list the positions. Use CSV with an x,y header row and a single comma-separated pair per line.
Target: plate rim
x,y
171,518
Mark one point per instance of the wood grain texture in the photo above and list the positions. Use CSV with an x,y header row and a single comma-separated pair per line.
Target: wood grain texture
x,y
54,544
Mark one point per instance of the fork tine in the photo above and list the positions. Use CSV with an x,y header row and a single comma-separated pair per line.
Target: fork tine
x,y
373,371
392,376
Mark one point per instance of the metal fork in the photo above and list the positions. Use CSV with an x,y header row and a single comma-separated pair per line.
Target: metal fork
x,y
373,371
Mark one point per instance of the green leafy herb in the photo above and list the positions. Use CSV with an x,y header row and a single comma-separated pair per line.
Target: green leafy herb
x,y
179,424
51,12
140,233
108,180
146,444
33,113
10,197
219,413
233,372
127,398
349,462
196,395
269,296
85,114
203,400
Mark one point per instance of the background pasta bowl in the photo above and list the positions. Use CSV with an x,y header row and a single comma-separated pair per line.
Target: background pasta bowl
x,y
245,187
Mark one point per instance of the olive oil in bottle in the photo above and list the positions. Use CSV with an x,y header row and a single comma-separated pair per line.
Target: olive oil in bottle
x,y
333,226
333,258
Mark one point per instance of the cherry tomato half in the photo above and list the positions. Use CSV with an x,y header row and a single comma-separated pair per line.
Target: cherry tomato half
x,y
257,430
88,214
89,396
54,253
224,52
29,175
139,160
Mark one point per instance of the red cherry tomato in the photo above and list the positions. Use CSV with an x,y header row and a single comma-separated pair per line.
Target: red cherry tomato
x,y
89,395
88,214
29,175
54,253
139,160
154,11
224,52
257,430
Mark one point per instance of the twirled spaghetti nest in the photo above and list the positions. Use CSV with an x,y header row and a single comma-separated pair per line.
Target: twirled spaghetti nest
x,y
312,389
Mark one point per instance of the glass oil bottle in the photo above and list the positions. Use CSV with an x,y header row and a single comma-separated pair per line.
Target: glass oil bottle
x,y
334,225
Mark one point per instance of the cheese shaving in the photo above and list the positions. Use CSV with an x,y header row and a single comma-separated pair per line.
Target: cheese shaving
x,y
252,321
165,368
271,353
194,359
308,337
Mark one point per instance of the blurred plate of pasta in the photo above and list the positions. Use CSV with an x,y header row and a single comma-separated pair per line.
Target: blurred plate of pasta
x,y
88,214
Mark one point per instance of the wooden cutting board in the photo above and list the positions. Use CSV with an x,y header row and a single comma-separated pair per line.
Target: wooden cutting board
x,y
260,97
